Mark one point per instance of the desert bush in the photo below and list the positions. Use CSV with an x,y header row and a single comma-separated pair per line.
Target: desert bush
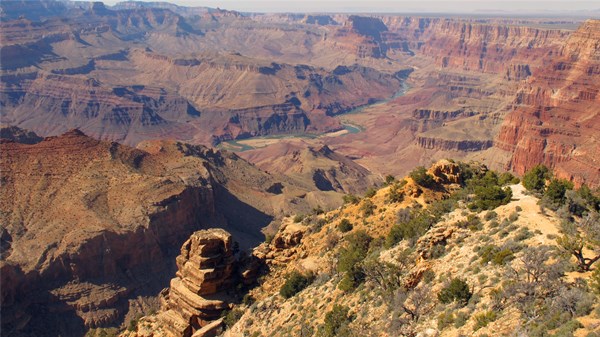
x,y
345,225
395,194
585,235
456,291
437,251
350,257
336,322
318,210
595,281
428,276
370,192
319,225
350,199
483,319
230,317
523,234
554,195
506,178
389,179
535,179
367,208
472,222
412,223
461,319
575,301
298,218
421,177
294,283
490,215
445,319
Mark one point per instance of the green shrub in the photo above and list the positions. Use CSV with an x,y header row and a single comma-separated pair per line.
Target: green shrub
x,y
514,216
230,317
461,319
336,322
490,215
350,199
345,225
389,179
367,208
370,192
483,319
395,194
503,256
457,290
295,282
507,178
298,218
490,197
445,319
567,329
554,196
421,177
595,281
350,257
535,179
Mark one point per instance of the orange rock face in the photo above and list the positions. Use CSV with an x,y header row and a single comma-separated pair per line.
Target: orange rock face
x,y
555,119
197,296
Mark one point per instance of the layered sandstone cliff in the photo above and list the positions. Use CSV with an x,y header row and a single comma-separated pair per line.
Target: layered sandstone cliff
x,y
196,296
555,118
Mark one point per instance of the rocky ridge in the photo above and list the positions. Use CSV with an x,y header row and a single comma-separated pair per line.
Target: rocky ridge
x,y
71,202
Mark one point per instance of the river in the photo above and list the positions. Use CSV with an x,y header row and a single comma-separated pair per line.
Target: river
x,y
241,145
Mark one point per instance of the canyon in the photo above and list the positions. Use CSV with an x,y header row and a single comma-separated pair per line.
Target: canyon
x,y
148,148
205,76
85,221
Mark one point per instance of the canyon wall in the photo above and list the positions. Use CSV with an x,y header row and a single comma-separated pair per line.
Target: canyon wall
x,y
554,118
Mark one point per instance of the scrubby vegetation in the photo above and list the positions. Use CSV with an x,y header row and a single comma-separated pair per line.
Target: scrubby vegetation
x,y
350,256
456,291
295,283
336,322
453,252
345,226
421,177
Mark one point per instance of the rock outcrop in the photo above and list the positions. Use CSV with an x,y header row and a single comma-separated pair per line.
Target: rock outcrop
x,y
88,226
197,295
454,145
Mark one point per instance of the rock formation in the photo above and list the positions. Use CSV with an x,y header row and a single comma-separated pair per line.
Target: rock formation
x,y
197,295
88,226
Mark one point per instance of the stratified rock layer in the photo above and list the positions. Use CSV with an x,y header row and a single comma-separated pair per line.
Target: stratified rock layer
x,y
196,296
555,119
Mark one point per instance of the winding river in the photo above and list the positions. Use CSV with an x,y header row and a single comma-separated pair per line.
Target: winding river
x,y
241,145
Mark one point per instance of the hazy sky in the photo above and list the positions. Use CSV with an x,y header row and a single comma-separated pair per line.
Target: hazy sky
x,y
396,6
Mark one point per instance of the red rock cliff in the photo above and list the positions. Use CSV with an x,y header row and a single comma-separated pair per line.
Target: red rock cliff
x,y
556,115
